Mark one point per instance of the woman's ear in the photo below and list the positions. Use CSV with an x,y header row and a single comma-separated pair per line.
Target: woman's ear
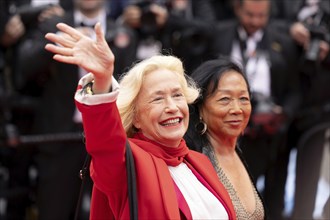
x,y
136,122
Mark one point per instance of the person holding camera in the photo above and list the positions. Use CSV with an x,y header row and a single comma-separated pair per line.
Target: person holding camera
x,y
19,19
308,24
312,34
269,60
58,162
179,27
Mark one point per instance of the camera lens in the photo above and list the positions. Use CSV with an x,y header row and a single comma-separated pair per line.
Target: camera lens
x,y
148,21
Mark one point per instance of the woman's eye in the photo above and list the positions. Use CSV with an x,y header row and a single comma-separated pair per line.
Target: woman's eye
x,y
178,95
224,99
157,99
244,99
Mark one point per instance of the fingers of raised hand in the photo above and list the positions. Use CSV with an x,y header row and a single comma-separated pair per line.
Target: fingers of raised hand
x,y
61,39
101,40
59,50
65,59
99,33
62,54
75,34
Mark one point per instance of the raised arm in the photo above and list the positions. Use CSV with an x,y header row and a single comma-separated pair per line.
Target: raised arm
x,y
94,56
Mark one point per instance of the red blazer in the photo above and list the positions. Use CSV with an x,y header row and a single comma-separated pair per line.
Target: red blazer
x,y
157,199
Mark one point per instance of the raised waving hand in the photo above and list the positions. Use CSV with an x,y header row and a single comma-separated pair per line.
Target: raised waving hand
x,y
94,56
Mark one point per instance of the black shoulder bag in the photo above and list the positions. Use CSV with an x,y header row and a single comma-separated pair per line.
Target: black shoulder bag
x,y
131,178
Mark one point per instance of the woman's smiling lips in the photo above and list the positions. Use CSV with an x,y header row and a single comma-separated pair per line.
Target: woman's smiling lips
x,y
234,122
171,121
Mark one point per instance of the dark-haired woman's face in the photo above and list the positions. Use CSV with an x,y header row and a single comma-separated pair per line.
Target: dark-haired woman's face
x,y
228,110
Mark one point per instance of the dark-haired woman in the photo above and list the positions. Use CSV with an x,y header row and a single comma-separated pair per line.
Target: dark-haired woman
x,y
218,118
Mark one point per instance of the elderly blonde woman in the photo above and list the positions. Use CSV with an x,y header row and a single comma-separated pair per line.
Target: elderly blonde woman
x,y
150,108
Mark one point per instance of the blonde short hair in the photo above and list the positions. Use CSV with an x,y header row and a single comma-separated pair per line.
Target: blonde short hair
x,y
131,83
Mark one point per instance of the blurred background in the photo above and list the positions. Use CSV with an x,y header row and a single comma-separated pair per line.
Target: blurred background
x,y
286,145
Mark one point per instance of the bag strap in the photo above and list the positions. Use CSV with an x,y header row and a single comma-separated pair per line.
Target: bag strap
x,y
131,183
82,174
131,178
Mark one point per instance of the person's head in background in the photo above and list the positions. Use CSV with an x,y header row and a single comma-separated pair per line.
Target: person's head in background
x,y
222,111
253,15
153,99
90,8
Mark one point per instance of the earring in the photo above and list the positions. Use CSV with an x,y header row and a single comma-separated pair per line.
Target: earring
x,y
201,126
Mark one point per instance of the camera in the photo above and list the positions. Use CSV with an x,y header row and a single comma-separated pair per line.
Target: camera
x,y
29,14
148,19
318,27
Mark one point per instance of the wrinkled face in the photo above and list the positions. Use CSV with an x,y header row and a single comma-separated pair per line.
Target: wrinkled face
x,y
253,15
228,110
162,112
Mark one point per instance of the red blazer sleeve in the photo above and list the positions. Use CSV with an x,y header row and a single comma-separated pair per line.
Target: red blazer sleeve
x,y
105,142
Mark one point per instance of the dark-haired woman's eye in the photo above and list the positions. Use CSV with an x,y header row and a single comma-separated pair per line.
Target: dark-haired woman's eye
x,y
225,100
244,100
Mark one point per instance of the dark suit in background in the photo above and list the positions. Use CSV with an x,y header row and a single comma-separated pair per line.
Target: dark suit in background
x,y
19,18
265,139
310,129
59,162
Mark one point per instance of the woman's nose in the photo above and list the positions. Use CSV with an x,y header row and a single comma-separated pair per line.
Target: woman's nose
x,y
235,107
171,105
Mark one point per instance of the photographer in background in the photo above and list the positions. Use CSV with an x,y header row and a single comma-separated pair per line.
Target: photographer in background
x,y
315,109
19,18
311,30
58,163
179,27
308,22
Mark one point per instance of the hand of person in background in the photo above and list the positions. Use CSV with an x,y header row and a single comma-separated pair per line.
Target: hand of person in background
x,y
324,50
161,14
179,5
73,47
132,15
14,30
302,36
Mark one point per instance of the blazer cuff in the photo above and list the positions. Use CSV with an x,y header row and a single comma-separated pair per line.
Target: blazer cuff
x,y
84,97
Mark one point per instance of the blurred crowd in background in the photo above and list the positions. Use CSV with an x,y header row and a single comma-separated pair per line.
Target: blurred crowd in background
x,y
283,47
